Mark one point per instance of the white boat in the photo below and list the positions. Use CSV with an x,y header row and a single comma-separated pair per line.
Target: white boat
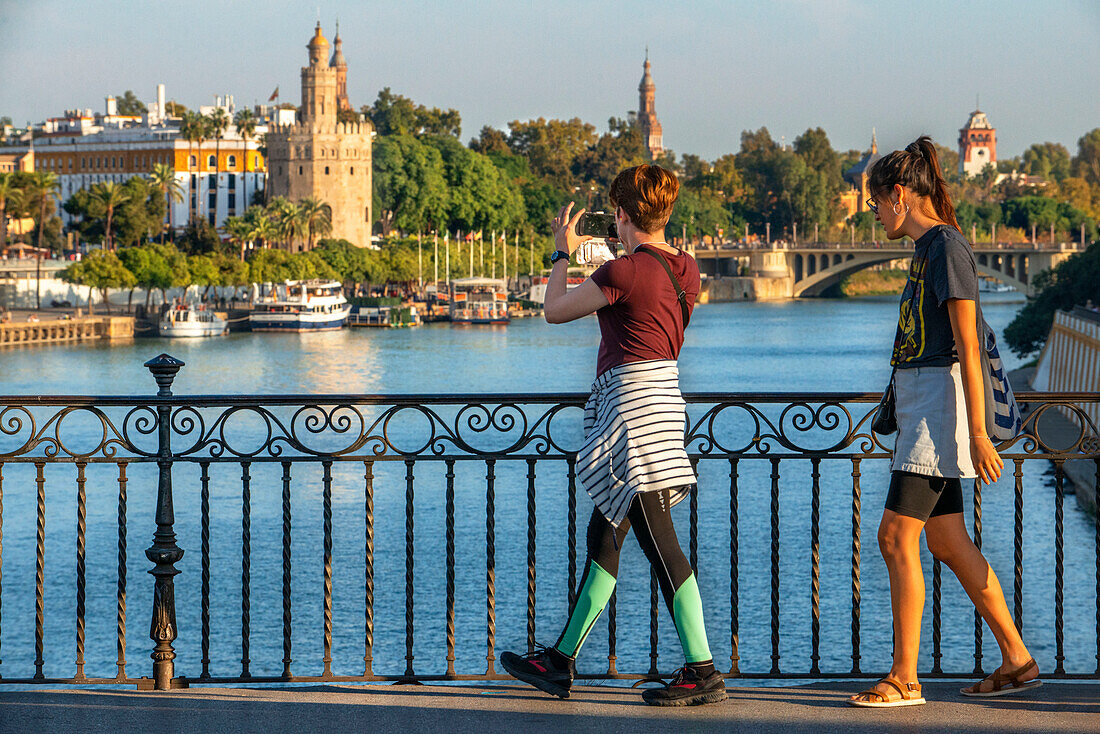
x,y
988,285
479,301
575,275
189,321
301,305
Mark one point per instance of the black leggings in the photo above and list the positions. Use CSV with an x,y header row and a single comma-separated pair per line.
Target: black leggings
x,y
650,516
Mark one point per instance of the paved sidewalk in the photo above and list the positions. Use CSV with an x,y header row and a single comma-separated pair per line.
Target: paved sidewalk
x,y
813,709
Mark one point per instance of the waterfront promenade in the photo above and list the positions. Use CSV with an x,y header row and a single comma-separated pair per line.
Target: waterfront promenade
x,y
810,709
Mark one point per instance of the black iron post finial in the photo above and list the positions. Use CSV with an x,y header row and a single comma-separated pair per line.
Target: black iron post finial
x,y
164,553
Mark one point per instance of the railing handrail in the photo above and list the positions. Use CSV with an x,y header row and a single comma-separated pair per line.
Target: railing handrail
x,y
213,400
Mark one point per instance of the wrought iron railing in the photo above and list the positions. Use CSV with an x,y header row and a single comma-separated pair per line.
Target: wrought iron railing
x,y
369,449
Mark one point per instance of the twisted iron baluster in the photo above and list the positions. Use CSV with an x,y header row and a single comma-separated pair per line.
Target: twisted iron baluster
x,y
1096,541
856,547
450,476
286,571
326,522
1059,567
204,566
937,654
2,555
40,572
815,565
490,566
653,672
409,569
978,543
530,554
612,629
120,612
368,571
571,519
735,615
693,520
246,567
775,564
81,567
1018,549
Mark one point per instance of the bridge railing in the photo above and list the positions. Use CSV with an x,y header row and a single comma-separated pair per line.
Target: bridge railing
x,y
396,537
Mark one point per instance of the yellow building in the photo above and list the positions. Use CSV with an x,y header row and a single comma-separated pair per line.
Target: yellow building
x,y
220,178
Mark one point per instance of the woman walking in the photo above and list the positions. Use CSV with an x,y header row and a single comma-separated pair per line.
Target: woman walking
x,y
942,439
633,462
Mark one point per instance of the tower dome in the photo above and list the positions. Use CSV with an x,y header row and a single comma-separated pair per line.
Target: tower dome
x,y
337,50
318,46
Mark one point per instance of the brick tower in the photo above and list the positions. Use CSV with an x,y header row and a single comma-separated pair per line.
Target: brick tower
x,y
321,158
341,65
977,144
647,114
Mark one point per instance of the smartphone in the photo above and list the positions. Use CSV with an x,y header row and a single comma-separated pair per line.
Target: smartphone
x,y
600,225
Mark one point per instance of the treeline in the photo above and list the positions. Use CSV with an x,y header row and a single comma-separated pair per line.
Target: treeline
x,y
156,267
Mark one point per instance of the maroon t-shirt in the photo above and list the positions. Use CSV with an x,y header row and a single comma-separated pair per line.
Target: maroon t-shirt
x,y
643,319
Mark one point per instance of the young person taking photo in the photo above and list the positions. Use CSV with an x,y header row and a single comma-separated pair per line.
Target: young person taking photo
x,y
633,462
942,439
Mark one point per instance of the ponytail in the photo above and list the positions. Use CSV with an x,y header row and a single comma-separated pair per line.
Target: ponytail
x,y
916,168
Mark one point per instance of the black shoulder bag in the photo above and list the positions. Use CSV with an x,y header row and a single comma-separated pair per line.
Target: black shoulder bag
x,y
681,296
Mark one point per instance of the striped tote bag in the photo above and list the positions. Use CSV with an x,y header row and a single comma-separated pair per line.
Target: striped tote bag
x,y
1002,414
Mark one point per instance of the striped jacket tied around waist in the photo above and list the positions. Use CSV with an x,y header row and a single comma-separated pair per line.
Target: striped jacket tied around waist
x,y
634,424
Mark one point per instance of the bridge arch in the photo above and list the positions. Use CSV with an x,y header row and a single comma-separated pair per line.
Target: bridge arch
x,y
1007,268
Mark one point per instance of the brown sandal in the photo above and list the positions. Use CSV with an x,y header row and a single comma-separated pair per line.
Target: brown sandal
x,y
910,696
999,680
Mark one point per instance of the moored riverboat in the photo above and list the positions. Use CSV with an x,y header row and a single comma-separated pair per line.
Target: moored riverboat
x,y
302,305
188,321
479,301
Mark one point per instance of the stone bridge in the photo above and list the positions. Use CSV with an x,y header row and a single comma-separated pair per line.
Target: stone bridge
x,y
808,270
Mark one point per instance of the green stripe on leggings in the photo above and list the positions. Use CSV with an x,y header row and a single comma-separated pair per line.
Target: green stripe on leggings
x,y
592,598
687,613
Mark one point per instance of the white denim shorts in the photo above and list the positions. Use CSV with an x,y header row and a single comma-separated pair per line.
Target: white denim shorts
x,y
933,434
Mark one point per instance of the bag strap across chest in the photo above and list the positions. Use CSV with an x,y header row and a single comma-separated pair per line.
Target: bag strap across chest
x,y
681,295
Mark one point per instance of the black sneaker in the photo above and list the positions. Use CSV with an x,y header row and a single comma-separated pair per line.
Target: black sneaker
x,y
545,669
688,688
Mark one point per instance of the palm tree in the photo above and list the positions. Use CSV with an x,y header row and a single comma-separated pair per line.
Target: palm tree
x,y
110,195
164,178
216,124
266,230
281,212
10,194
44,184
240,232
192,129
318,218
246,128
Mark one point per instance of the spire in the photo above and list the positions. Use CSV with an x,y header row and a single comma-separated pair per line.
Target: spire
x,y
874,142
337,50
647,79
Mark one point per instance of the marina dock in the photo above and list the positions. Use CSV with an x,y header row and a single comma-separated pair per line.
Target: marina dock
x,y
63,331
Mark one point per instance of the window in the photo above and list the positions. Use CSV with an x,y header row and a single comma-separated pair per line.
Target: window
x,y
326,170
211,161
352,170
231,181
192,161
299,170
232,162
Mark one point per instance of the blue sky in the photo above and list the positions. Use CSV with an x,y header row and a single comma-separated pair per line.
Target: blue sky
x,y
905,68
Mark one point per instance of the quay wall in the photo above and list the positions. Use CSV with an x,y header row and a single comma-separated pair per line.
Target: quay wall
x,y
723,289
61,331
1070,361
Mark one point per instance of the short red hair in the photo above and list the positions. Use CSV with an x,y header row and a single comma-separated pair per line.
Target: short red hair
x,y
646,193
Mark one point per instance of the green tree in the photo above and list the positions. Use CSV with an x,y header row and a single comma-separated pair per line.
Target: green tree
x,y
480,197
240,232
619,148
1086,163
101,270
1072,283
245,122
156,267
410,187
193,130
394,114
490,140
550,146
130,105
174,108
1049,161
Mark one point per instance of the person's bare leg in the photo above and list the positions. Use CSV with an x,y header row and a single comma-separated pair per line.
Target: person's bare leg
x,y
951,544
899,541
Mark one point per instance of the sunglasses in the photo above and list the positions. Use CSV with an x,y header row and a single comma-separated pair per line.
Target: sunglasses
x,y
872,205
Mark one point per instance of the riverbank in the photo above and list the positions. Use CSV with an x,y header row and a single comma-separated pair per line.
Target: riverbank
x,y
62,327
874,283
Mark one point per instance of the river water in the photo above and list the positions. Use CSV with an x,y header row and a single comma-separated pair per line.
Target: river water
x,y
806,345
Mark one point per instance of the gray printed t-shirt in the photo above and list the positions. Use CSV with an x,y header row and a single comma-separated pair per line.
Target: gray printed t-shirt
x,y
943,267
